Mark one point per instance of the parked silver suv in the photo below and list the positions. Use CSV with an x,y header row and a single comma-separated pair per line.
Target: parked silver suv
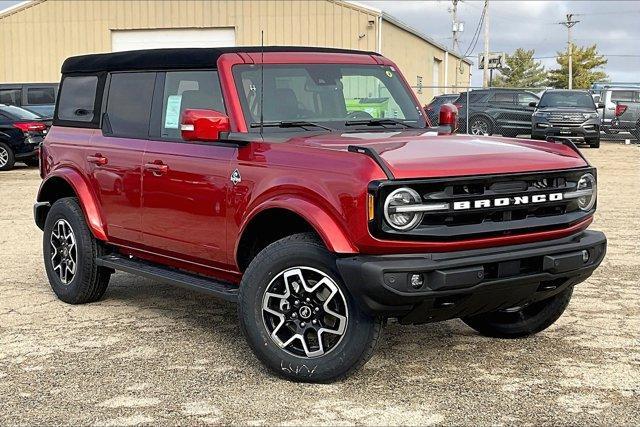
x,y
621,110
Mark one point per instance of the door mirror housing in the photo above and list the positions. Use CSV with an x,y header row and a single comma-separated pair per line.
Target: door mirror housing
x,y
448,119
203,125
600,105
533,104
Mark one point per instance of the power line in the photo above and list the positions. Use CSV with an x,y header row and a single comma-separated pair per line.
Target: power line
x,y
476,36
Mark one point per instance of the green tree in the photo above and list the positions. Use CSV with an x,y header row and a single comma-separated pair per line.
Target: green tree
x,y
522,71
586,61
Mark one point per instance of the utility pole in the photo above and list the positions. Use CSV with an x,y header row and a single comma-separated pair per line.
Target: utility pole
x,y
485,74
455,26
569,23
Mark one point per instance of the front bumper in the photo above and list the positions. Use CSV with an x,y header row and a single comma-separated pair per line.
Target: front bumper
x,y
458,284
577,132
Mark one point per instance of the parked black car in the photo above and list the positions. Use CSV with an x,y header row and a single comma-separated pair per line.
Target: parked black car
x,y
571,114
21,133
433,108
39,98
496,111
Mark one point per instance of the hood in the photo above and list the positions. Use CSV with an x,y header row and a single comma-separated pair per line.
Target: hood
x,y
566,110
419,154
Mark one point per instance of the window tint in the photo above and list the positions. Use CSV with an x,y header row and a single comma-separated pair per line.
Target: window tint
x,y
622,95
4,119
77,98
10,96
129,104
41,95
502,97
525,98
186,90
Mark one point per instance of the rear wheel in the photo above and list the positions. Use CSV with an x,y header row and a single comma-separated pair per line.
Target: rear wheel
x,y
70,253
480,126
298,316
522,321
7,158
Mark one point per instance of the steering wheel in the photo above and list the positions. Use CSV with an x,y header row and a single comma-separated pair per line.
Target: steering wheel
x,y
359,114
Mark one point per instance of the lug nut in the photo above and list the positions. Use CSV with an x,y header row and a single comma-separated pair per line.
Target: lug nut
x,y
294,315
308,300
302,325
296,302
314,321
317,309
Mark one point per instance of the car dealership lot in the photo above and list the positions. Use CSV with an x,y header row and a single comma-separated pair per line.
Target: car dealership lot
x,y
150,353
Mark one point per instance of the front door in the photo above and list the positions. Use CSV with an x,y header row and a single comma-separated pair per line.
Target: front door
x,y
185,184
114,156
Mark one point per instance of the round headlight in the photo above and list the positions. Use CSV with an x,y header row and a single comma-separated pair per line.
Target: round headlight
x,y
402,220
587,182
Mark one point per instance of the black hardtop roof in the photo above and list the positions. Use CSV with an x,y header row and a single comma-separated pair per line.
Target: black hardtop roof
x,y
158,59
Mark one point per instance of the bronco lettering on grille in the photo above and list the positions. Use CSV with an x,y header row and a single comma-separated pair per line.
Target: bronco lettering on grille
x,y
507,201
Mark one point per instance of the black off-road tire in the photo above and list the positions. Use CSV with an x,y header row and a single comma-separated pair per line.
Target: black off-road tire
x,y
7,153
360,336
530,320
90,281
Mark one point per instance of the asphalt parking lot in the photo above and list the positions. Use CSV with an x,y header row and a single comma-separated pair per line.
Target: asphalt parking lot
x,y
152,354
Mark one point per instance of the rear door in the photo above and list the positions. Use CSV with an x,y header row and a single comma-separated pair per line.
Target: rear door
x,y
114,157
185,184
524,112
502,107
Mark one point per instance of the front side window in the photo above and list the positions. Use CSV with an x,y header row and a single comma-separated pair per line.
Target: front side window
x,y
525,98
129,104
41,95
188,90
77,98
330,94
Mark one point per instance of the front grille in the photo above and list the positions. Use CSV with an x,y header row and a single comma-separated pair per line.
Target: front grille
x,y
566,118
490,220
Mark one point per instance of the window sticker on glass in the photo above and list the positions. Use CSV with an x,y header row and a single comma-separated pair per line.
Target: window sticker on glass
x,y
389,74
172,116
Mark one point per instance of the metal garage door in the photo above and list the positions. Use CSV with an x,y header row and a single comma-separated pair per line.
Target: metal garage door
x,y
172,37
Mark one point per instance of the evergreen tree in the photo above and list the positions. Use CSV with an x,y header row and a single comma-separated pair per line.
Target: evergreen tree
x,y
523,71
586,61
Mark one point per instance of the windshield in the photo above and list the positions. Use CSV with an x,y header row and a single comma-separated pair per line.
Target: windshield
x,y
19,113
567,99
328,94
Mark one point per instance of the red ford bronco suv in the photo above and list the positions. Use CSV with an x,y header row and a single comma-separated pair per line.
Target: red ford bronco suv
x,y
306,185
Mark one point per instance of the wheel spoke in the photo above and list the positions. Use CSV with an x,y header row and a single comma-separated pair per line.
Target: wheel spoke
x,y
64,252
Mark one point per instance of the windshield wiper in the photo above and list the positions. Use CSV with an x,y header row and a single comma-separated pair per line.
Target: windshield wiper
x,y
377,122
290,124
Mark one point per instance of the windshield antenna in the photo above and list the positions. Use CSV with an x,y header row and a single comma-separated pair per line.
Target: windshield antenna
x,y
261,81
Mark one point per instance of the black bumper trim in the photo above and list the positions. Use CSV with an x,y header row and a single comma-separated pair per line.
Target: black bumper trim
x,y
459,283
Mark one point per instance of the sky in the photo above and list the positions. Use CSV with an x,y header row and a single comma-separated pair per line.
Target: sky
x,y
613,25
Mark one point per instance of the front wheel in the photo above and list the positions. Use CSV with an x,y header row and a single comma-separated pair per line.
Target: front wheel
x,y
522,321
594,143
298,316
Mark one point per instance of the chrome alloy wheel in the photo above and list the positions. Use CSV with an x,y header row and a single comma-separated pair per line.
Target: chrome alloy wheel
x,y
305,312
479,127
64,252
4,156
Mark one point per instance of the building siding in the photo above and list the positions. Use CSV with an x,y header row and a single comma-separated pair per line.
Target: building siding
x,y
34,41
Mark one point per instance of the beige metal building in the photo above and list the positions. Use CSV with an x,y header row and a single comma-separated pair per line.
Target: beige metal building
x,y
36,36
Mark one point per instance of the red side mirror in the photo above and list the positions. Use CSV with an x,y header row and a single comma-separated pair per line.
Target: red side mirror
x,y
449,117
203,125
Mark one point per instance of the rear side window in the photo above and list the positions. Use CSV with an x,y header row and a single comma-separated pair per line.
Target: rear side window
x,y
188,90
505,98
129,104
10,96
41,95
78,99
622,95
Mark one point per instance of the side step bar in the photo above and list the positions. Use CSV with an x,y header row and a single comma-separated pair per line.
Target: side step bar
x,y
224,290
